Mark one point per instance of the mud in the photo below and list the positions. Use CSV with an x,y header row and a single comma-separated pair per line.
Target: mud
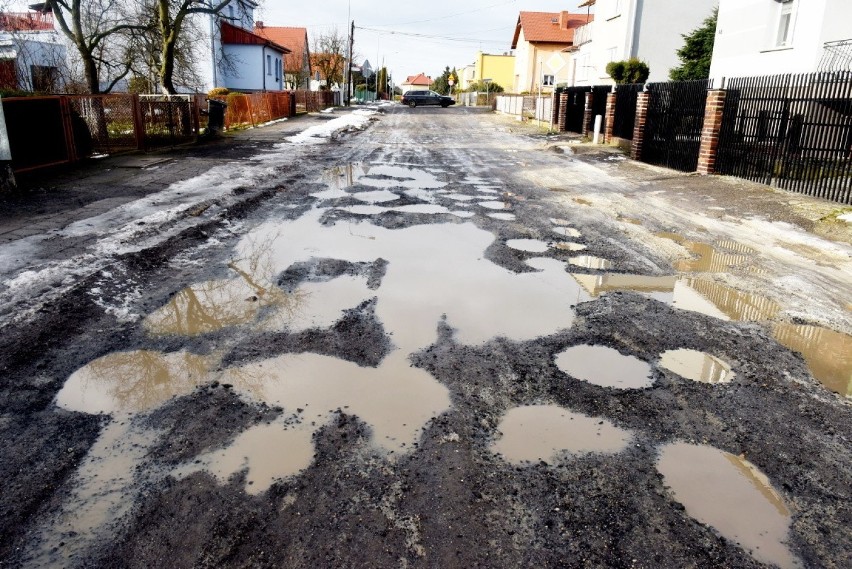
x,y
388,388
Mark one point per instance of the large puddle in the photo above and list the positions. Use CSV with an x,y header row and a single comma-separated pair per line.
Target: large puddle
x,y
697,366
721,257
827,353
542,432
686,293
731,495
604,366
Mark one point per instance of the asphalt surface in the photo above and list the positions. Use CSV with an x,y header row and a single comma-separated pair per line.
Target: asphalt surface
x,y
439,339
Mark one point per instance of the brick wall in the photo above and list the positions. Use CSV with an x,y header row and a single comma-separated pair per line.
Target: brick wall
x,y
639,128
588,114
710,132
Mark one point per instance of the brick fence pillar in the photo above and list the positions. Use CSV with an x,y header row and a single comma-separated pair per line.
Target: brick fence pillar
x,y
563,112
554,111
588,117
639,127
609,123
710,131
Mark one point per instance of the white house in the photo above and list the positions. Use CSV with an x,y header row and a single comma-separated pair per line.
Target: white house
x,y
31,52
237,58
651,30
768,37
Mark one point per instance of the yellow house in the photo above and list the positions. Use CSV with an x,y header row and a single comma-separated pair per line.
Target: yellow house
x,y
499,68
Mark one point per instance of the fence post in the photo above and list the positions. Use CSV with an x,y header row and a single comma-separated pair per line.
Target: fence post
x,y
639,127
588,114
563,112
609,125
713,112
138,122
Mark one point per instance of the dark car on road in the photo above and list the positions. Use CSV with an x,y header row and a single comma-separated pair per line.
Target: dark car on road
x,y
415,98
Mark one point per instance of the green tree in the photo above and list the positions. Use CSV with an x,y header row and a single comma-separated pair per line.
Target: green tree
x,y
697,51
481,87
442,83
631,70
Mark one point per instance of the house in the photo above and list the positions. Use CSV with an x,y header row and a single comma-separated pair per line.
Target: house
x,y
500,69
767,37
412,82
236,58
323,65
297,64
467,73
540,43
621,29
32,54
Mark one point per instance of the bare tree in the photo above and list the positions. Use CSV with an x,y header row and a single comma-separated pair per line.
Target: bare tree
x,y
329,55
171,17
99,31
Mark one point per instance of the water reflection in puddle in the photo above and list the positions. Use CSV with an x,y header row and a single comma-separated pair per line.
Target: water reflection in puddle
x,y
540,432
687,293
136,381
425,208
731,495
376,197
569,246
380,176
502,216
604,366
529,245
590,262
827,353
708,259
697,366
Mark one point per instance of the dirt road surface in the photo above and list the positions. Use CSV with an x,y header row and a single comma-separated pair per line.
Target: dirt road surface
x,y
422,338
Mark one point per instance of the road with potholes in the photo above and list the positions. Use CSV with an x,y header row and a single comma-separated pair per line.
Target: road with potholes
x,y
428,338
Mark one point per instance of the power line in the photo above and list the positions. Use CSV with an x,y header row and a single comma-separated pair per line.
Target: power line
x,y
456,14
427,36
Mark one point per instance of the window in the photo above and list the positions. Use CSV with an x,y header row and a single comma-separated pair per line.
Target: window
x,y
268,64
784,35
547,81
585,63
616,8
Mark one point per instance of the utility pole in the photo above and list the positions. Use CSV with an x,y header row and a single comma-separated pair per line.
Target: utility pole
x,y
349,65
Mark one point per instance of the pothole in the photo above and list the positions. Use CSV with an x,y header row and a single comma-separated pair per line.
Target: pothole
x,y
827,353
590,262
542,432
604,366
495,205
567,232
502,216
696,366
732,496
528,245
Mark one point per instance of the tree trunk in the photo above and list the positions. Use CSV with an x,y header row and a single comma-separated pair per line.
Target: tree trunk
x,y
167,67
90,69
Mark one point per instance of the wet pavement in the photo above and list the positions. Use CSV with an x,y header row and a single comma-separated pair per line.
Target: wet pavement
x,y
399,348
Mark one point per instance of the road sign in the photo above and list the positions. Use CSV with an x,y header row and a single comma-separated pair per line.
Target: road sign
x,y
366,70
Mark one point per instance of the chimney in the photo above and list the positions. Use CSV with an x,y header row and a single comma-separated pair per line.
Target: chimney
x,y
563,19
258,25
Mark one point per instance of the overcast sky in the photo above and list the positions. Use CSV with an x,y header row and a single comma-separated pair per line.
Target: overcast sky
x,y
413,37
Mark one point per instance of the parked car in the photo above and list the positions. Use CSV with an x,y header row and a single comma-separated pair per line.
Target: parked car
x,y
414,98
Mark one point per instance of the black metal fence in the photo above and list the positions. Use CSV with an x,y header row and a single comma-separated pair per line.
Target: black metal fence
x,y
576,108
599,94
673,125
791,131
625,110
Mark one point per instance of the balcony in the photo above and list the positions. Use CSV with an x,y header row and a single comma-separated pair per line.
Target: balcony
x,y
26,22
583,34
836,56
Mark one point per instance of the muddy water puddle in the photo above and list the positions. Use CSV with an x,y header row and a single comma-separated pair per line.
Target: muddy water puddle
x,y
590,262
827,353
544,432
569,246
565,231
731,495
696,366
720,257
686,293
380,176
502,216
604,366
495,205
528,245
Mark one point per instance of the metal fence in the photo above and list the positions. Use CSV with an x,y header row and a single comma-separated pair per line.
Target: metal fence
x,y
526,106
574,112
599,94
625,110
674,123
791,131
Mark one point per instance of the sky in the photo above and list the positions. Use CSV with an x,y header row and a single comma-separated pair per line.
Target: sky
x,y
413,37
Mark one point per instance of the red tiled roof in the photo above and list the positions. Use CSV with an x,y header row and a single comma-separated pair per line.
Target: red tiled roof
x,y
419,79
294,38
549,27
233,35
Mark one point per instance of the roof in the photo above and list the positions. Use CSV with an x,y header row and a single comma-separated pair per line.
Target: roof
x,y
419,79
294,38
549,27
232,35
